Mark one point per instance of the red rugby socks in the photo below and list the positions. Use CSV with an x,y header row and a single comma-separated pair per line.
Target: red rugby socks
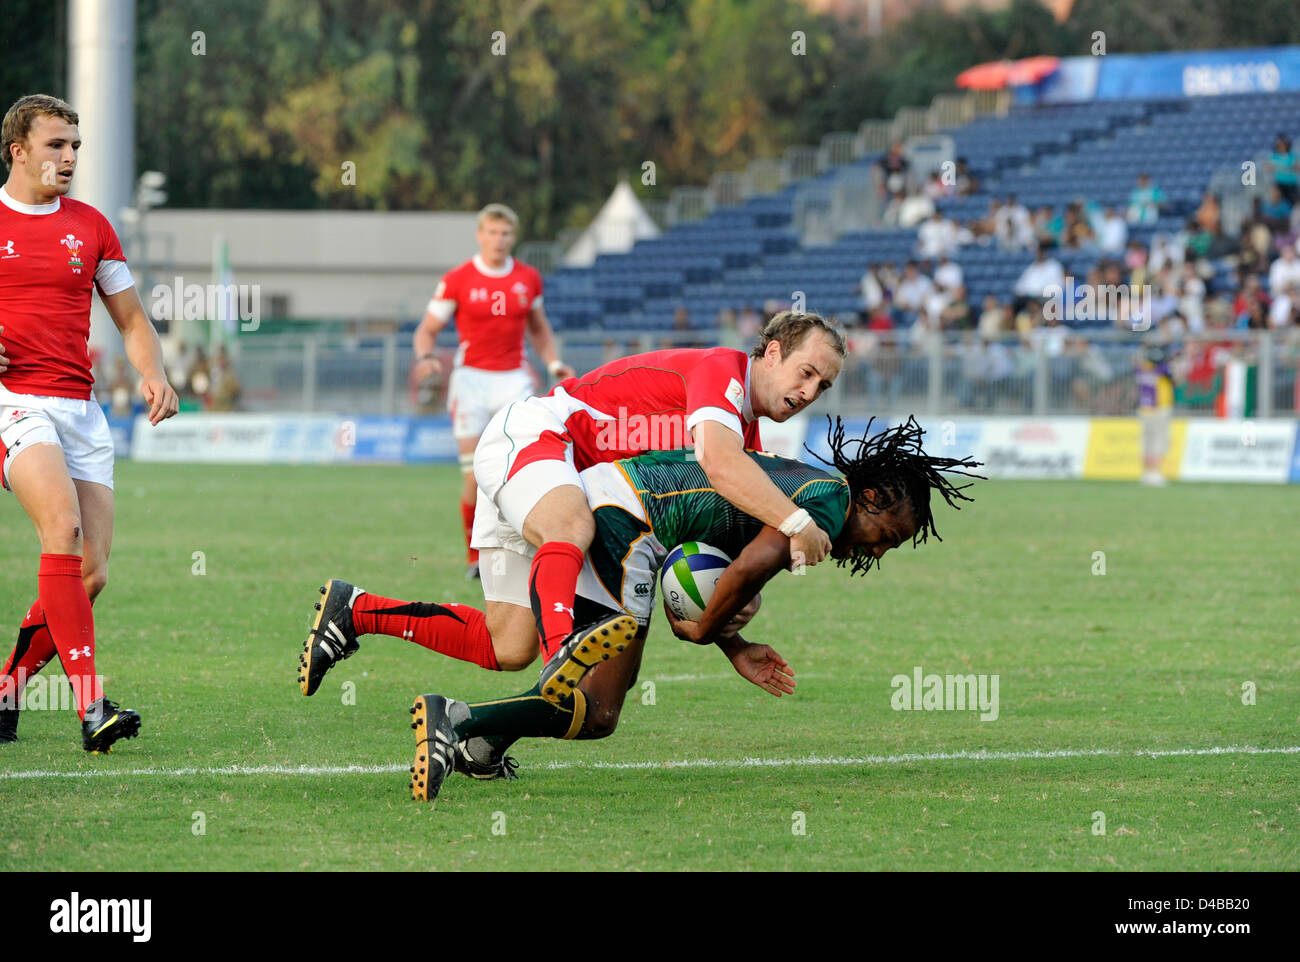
x,y
552,586
71,624
457,631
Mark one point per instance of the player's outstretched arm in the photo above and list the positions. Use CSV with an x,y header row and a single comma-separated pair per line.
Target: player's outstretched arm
x,y
761,559
721,454
144,351
543,338
425,342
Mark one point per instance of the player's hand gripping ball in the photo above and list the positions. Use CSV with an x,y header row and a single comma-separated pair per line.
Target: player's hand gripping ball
x,y
689,575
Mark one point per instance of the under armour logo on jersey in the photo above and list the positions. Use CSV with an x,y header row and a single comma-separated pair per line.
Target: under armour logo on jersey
x,y
83,652
8,249
561,610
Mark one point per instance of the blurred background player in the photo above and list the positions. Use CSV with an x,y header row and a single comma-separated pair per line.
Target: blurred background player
x,y
494,299
1155,410
55,445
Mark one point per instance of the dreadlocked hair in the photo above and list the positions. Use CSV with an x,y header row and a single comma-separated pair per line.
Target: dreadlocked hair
x,y
890,469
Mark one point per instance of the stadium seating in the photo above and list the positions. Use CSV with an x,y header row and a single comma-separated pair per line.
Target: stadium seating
x,y
1047,156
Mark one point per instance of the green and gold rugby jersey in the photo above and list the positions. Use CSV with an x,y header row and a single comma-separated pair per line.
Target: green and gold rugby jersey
x,y
681,505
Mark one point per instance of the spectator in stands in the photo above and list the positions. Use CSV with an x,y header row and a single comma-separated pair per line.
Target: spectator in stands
x,y
988,227
748,323
1282,309
889,277
226,388
1114,232
1165,250
937,237
1076,231
1135,261
956,315
1191,302
1042,223
913,288
1250,300
993,318
120,389
948,275
1256,243
1277,210
199,381
1208,214
1285,271
1208,244
1164,300
1282,165
936,189
889,217
914,209
871,290
966,182
1145,201
1045,272
1013,227
894,169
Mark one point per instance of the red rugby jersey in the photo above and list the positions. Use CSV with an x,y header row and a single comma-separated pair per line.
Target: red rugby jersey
x,y
47,271
655,399
491,310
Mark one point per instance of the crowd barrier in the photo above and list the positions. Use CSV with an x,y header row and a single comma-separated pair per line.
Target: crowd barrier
x,y
1201,449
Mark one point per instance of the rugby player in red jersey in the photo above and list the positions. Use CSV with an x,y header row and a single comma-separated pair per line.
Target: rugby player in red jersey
x,y
495,300
527,466
55,446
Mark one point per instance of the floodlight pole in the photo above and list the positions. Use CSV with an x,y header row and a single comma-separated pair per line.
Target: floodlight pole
x,y
101,73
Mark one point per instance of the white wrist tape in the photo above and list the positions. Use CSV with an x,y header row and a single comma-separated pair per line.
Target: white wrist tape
x,y
792,525
554,367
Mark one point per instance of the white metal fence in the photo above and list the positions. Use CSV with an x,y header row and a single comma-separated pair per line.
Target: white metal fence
x,y
1089,373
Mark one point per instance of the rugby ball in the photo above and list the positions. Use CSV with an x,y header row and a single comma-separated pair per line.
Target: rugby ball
x,y
690,573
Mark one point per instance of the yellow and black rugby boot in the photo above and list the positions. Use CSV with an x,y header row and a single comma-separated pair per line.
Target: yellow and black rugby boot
x,y
435,746
332,636
105,723
584,650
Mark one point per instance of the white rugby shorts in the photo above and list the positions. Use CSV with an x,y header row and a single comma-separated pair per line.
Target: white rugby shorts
x,y
525,452
78,427
474,395
505,558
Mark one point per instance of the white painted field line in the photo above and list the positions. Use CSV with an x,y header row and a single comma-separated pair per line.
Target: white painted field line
x,y
810,760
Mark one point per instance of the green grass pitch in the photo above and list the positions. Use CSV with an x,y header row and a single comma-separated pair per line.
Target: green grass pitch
x,y
1197,598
